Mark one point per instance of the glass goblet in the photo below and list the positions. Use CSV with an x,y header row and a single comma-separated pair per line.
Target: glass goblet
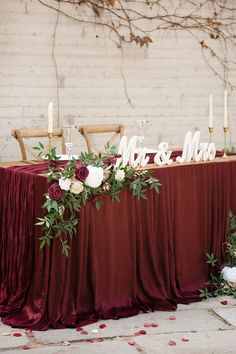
x,y
68,133
141,130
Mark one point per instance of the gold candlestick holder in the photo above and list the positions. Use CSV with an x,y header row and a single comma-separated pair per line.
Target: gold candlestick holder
x,y
210,129
225,129
50,137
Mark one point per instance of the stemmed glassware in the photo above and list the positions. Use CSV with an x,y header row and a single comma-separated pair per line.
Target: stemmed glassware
x,y
68,133
141,130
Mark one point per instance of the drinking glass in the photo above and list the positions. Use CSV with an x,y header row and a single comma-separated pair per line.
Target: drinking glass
x,y
141,130
68,132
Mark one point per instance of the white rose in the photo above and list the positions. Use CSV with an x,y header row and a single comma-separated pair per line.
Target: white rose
x,y
229,274
76,187
95,176
65,183
120,175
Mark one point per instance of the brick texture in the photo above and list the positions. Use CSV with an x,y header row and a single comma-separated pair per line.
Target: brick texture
x,y
168,83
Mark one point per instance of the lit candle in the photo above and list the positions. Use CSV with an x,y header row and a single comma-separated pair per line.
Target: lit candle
x,y
225,110
210,124
50,118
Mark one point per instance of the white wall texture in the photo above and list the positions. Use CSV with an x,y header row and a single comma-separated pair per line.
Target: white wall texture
x,y
168,83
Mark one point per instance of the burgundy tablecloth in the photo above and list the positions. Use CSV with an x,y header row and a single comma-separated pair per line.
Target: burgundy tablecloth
x,y
129,256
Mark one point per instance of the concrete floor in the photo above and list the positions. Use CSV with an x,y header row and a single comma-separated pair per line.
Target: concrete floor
x,y
205,327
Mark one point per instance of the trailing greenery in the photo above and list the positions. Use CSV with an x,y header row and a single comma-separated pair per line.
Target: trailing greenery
x,y
87,180
218,285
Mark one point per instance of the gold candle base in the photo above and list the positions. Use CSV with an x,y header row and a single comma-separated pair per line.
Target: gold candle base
x,y
225,156
210,129
50,136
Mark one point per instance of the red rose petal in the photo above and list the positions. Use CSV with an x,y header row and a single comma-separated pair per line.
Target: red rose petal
x,y
142,332
131,342
26,347
99,339
154,324
102,326
137,333
79,329
147,325
172,318
185,340
83,332
17,334
225,302
171,343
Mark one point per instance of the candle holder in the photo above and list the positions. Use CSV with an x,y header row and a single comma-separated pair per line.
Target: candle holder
x,y
50,137
210,129
225,156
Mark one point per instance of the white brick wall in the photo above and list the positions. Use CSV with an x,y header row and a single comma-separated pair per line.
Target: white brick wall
x,y
168,83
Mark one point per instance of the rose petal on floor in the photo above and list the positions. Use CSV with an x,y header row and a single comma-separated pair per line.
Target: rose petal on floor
x,y
131,342
83,332
171,343
153,324
185,340
16,334
137,333
26,347
102,326
147,325
79,329
172,318
142,332
225,302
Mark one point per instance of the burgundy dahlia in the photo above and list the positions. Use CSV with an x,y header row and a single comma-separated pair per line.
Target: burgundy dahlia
x,y
55,192
81,173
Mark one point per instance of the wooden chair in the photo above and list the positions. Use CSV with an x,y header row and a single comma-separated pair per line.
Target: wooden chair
x,y
88,130
21,135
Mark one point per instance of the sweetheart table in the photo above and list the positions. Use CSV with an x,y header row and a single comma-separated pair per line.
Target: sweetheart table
x,y
130,256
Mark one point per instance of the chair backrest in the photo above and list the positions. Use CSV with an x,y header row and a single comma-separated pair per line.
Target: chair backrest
x,y
89,130
21,135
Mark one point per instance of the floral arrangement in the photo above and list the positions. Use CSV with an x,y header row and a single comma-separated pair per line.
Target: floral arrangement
x,y
84,180
223,274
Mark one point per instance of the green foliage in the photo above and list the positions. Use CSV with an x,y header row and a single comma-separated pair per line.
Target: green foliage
x,y
232,221
110,150
204,293
39,149
62,216
211,260
217,285
231,149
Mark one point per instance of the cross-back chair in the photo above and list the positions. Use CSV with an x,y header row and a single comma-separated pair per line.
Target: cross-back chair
x,y
21,135
88,132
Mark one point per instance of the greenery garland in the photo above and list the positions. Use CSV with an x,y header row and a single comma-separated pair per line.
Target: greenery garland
x,y
79,181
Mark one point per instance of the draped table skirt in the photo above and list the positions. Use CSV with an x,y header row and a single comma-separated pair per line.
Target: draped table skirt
x,y
127,257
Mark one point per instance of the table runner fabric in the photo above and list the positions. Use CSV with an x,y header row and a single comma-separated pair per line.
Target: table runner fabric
x,y
128,257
